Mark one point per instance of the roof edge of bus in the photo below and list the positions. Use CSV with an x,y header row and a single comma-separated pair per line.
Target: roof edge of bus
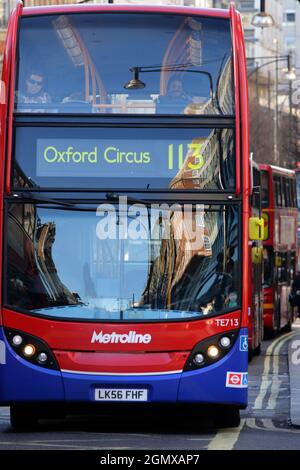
x,y
76,8
265,166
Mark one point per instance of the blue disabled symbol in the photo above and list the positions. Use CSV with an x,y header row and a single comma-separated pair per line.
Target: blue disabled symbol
x,y
244,343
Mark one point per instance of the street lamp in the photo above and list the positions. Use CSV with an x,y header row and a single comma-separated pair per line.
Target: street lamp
x,y
136,84
290,75
262,19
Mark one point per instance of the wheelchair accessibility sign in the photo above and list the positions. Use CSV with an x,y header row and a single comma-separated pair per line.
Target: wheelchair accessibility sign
x,y
244,343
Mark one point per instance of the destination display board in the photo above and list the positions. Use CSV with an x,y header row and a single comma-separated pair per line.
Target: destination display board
x,y
124,157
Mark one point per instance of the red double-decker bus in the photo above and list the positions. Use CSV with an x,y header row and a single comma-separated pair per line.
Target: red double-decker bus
x,y
255,317
125,210
279,201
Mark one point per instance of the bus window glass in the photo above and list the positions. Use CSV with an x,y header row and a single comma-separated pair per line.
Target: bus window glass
x,y
293,188
256,184
265,189
268,266
292,268
282,269
278,191
287,192
124,64
143,158
292,192
291,184
282,191
298,188
155,273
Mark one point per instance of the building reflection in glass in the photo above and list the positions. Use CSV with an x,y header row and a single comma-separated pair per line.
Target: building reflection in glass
x,y
32,278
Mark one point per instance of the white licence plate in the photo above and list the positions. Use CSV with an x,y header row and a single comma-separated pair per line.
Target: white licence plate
x,y
121,394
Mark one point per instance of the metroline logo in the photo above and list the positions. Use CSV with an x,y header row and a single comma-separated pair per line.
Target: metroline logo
x,y
131,338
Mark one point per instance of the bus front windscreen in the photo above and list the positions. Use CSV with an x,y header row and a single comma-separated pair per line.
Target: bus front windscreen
x,y
125,63
118,262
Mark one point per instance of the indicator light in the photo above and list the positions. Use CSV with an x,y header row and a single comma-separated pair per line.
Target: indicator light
x,y
42,357
225,342
198,359
17,340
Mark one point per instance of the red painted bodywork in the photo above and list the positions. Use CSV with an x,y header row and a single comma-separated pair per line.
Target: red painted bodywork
x,y
168,350
251,315
171,341
72,336
54,9
269,318
277,240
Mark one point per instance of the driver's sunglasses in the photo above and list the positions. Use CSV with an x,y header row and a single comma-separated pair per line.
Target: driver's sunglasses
x,y
35,82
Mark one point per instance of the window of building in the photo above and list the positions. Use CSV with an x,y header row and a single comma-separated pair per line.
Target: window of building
x,y
246,5
249,34
289,16
290,43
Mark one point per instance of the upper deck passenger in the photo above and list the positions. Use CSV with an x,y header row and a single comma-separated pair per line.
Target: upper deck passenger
x,y
34,92
175,100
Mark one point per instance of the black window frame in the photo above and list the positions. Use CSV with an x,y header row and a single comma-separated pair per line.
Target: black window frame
x,y
84,121
126,12
265,189
278,190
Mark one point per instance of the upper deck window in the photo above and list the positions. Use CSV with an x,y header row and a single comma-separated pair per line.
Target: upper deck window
x,y
124,64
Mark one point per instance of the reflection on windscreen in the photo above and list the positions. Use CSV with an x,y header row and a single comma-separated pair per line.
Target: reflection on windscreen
x,y
124,63
141,264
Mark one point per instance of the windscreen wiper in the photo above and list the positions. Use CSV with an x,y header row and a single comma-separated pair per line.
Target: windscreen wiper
x,y
131,200
28,196
37,198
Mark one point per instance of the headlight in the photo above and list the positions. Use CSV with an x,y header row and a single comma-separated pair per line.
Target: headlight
x,y
210,350
213,352
31,348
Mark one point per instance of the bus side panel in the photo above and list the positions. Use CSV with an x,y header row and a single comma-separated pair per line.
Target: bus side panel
x,y
242,127
269,316
21,381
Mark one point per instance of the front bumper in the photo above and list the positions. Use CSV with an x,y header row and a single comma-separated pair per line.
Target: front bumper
x,y
21,381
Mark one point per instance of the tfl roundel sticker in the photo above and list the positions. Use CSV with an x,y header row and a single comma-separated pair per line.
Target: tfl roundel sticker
x,y
237,379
